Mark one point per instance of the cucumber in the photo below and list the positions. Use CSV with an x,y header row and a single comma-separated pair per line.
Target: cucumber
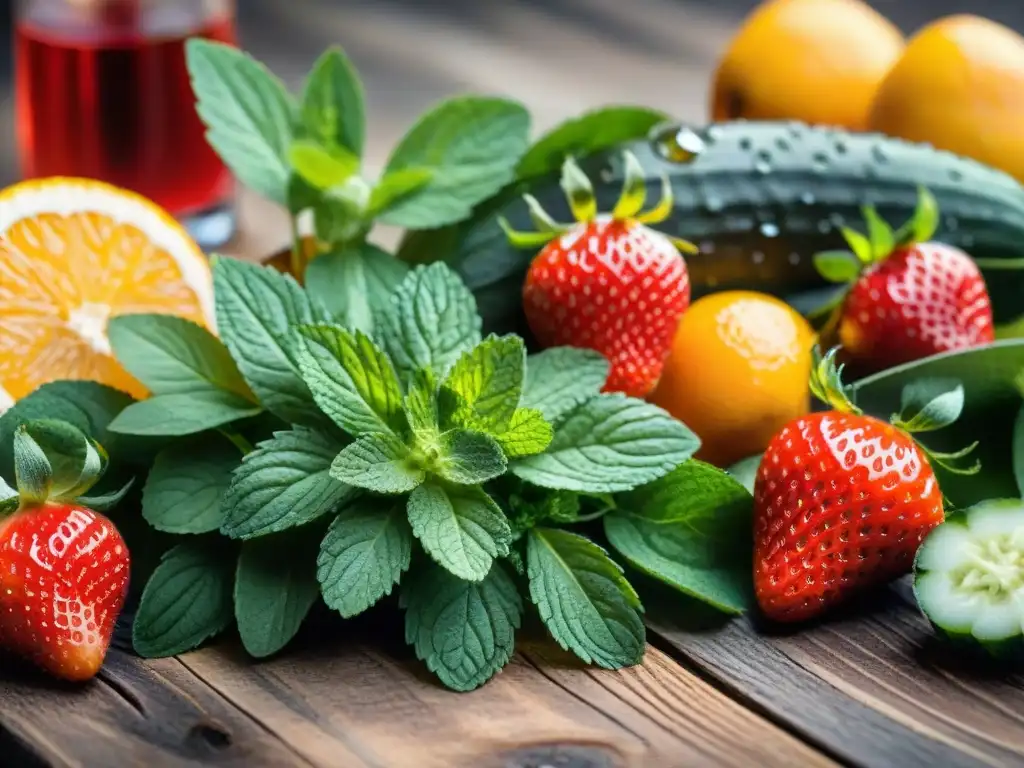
x,y
969,576
760,198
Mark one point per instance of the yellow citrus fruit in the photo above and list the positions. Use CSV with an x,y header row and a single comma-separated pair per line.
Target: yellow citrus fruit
x,y
75,253
738,372
817,61
959,86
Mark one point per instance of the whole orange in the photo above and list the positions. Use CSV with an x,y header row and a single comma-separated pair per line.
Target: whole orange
x,y
817,61
739,370
960,87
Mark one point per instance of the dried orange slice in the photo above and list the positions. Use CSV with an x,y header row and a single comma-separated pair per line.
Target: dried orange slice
x,y
75,253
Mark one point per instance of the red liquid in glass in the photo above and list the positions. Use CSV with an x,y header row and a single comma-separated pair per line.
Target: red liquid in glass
x,y
118,107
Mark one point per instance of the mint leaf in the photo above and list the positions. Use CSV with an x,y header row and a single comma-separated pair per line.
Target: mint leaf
x,y
257,309
378,462
275,586
583,598
186,485
682,530
321,166
488,380
431,321
463,630
581,136
471,144
561,378
421,402
527,434
283,484
469,458
186,601
351,379
463,529
744,471
172,355
248,113
930,404
367,549
333,103
182,414
609,444
355,283
395,187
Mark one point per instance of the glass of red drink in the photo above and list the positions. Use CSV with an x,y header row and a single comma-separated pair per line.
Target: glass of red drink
x,y
102,92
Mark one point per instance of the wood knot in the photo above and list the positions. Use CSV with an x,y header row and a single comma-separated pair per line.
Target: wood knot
x,y
561,756
210,734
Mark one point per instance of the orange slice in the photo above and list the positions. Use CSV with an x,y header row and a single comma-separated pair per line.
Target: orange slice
x,y
75,253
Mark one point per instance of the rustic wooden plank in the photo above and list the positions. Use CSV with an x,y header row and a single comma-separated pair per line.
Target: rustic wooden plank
x,y
870,686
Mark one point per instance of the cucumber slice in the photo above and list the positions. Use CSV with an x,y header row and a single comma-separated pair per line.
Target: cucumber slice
x,y
969,575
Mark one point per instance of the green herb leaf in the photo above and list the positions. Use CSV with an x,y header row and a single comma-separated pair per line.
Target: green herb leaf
x,y
9,498
560,378
248,113
338,215
682,530
333,103
283,484
395,187
930,404
527,434
183,414
609,444
463,630
275,586
472,145
488,381
83,404
462,528
591,132
186,485
837,266
378,462
469,457
432,320
367,549
583,598
186,601
352,380
172,355
257,310
323,168
355,283
301,195
1018,451
421,402
32,471
744,471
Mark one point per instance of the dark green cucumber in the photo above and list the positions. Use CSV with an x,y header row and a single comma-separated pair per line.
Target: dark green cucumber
x,y
760,199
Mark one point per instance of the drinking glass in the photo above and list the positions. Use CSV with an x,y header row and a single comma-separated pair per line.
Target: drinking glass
x,y
102,92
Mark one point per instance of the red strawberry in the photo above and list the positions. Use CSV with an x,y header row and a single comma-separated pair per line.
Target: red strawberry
x,y
908,298
921,300
63,567
842,501
63,580
608,282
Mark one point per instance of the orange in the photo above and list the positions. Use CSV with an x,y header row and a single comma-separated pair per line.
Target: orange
x,y
76,253
959,86
739,370
817,61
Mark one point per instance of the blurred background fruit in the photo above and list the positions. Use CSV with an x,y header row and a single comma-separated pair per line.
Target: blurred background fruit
x,y
818,61
959,85
737,373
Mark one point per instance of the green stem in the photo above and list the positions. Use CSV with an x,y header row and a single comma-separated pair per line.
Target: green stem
x,y
593,515
999,263
239,442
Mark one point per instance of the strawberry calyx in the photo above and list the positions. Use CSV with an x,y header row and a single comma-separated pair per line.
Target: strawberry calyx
x,y
826,382
55,462
579,193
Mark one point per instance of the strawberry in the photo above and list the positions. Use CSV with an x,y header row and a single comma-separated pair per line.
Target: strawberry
x,y
608,282
64,567
842,501
906,298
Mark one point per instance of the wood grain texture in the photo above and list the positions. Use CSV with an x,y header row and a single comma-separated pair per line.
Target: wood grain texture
x,y
870,686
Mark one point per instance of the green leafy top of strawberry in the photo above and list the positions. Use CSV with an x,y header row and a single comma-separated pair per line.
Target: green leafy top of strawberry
x,y
54,461
579,193
926,405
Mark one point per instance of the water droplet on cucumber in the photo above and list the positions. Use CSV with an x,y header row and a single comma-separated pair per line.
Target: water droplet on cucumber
x,y
878,154
819,162
807,198
678,144
769,230
714,204
952,223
